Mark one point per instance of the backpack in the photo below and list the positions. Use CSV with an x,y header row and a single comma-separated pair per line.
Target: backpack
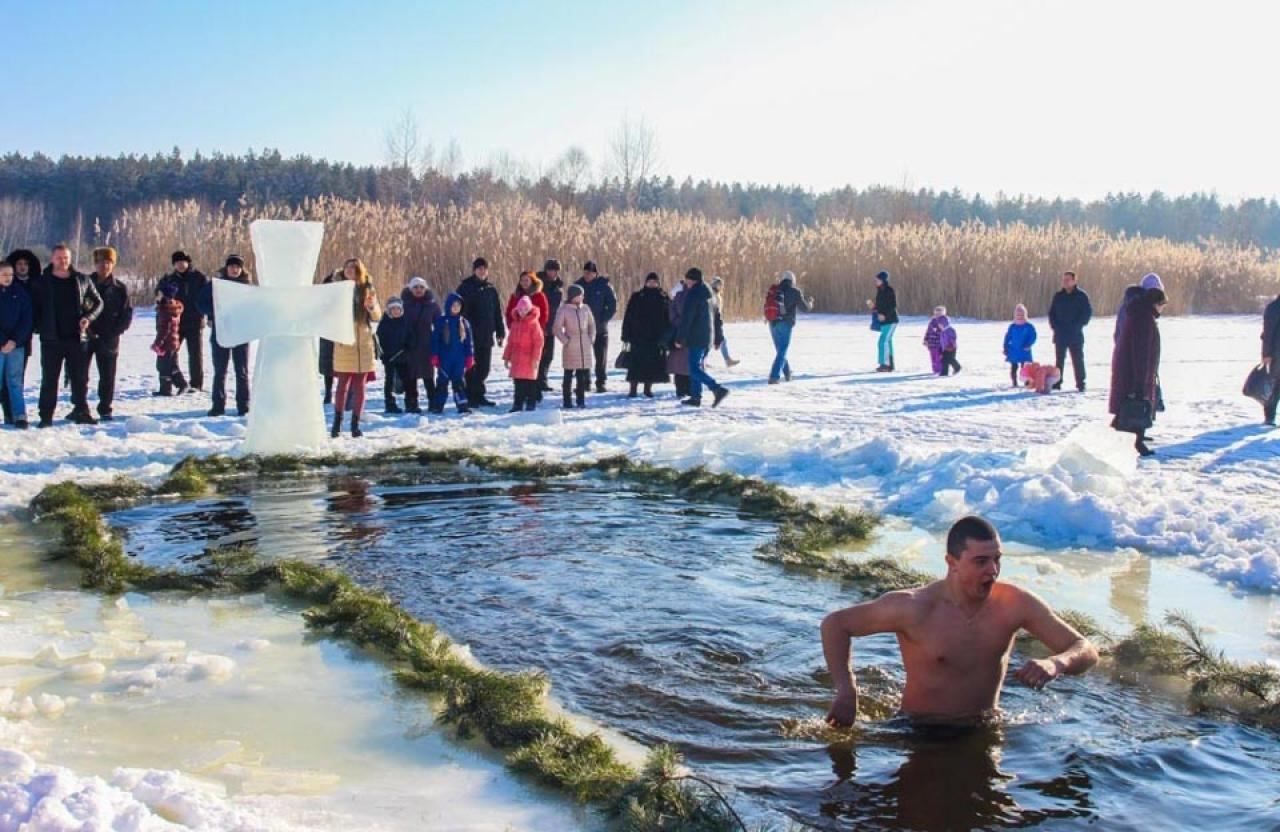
x,y
773,303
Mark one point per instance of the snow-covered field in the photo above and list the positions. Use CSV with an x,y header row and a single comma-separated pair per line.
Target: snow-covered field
x,y
906,444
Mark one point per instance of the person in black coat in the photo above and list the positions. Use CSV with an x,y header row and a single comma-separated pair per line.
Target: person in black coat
x,y
1069,314
420,311
190,282
238,356
1135,362
65,303
393,342
26,267
553,289
696,332
644,334
482,308
603,303
1271,356
103,346
885,309
15,330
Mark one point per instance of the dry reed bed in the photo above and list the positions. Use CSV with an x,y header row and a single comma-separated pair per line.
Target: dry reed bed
x,y
975,270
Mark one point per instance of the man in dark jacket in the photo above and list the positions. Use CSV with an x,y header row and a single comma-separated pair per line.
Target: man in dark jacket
x,y
190,283
1271,356
603,303
26,267
103,347
790,301
1069,314
482,308
696,332
237,355
553,289
65,303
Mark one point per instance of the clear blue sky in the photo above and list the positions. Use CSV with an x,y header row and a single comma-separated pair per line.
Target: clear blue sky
x,y
1037,96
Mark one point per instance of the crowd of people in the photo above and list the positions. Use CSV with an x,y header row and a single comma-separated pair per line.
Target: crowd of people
x,y
429,352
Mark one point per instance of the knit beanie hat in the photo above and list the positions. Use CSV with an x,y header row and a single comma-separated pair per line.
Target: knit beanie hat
x,y
787,277
552,265
523,305
575,291
169,290
1152,281
694,274
884,276
234,260
416,282
179,256
590,266
104,253
395,302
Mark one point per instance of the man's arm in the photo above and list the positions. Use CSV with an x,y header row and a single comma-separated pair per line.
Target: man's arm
x,y
887,614
1072,653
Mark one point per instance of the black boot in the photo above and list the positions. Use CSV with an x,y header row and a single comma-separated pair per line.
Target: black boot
x,y
648,391
582,398
337,423
356,433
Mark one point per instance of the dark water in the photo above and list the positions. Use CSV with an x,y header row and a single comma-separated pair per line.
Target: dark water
x,y
652,616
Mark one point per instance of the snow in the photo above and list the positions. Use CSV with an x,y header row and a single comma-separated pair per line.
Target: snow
x,y
908,444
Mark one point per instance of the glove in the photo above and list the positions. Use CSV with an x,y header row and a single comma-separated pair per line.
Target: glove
x,y
471,362
157,349
435,361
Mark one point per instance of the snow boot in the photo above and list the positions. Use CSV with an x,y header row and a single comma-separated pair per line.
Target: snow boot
x,y
337,424
356,433
648,391
719,396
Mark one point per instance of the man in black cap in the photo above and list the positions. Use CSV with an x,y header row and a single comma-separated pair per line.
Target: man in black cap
x,y
553,289
483,310
696,331
604,305
238,355
65,303
103,346
190,282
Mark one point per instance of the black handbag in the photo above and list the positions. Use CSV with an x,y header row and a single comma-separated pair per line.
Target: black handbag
x,y
1260,385
623,361
1135,416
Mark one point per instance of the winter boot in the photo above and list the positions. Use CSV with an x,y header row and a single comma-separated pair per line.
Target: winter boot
x,y
337,423
648,391
634,390
356,433
582,398
719,396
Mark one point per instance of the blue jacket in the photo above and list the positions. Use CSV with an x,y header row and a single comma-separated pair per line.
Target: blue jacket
x,y
15,314
393,338
697,320
451,340
599,297
1018,340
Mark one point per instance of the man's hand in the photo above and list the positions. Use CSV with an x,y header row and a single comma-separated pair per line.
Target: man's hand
x,y
1037,673
677,345
500,340
844,710
84,324
882,318
9,346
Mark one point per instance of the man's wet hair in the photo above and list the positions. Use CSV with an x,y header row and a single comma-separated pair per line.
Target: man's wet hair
x,y
966,529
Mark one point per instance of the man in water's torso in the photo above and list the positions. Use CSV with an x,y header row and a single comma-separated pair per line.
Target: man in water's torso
x,y
955,635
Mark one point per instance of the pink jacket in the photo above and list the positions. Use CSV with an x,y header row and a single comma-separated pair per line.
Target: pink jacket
x,y
524,345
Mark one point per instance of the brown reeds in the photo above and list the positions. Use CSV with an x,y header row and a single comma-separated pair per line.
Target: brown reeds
x,y
974,269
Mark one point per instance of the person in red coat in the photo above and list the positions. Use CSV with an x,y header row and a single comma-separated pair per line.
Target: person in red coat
x,y
529,287
168,339
523,353
1135,363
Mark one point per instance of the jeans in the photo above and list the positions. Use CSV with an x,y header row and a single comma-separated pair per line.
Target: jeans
x,y
698,376
12,365
781,332
886,344
724,350
1077,361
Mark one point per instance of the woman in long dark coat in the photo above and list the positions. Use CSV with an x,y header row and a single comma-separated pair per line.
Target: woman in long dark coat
x,y
1135,363
644,330
421,311
678,357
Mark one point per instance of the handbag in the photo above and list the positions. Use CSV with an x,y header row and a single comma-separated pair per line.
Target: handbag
x,y
1135,415
623,361
1260,385
875,322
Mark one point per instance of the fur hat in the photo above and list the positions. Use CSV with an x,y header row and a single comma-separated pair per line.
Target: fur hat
x,y
717,282
179,256
234,260
105,253
590,266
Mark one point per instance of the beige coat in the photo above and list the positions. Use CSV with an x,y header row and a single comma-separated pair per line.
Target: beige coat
x,y
359,357
575,329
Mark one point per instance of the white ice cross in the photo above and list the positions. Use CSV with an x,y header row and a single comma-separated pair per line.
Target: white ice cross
x,y
287,313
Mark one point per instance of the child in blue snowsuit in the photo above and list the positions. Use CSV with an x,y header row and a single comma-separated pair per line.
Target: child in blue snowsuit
x,y
452,354
1018,340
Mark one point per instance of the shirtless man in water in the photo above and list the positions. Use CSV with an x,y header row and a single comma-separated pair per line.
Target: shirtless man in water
x,y
955,635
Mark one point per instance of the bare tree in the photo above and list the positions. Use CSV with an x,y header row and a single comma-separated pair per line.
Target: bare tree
x,y
572,169
633,155
507,168
450,163
408,155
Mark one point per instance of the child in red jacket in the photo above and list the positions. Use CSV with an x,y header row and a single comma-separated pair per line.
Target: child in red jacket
x,y
168,338
523,352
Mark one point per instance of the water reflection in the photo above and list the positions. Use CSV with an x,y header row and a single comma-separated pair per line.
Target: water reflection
x,y
1131,590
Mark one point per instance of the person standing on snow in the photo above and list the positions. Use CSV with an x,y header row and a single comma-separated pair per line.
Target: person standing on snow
x,y
885,308
1135,363
1069,314
103,346
696,332
575,328
552,293
644,331
789,301
421,311
483,310
1018,340
238,356
65,303
1271,357
190,282
603,303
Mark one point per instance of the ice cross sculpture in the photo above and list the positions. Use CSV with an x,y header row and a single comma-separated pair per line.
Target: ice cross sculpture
x,y
287,313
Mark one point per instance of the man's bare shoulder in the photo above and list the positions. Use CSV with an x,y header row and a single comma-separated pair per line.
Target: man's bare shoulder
x,y
914,603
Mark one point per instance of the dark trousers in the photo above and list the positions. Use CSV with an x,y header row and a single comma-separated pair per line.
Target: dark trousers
x,y
949,362
170,373
194,339
4,391
601,348
1269,407
391,372
54,355
445,377
239,357
548,354
412,402
479,372
1077,361
583,379
527,394
103,354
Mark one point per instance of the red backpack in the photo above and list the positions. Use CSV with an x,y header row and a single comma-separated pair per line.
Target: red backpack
x,y
773,303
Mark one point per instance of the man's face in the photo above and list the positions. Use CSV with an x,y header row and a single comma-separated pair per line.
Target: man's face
x,y
181,266
22,268
482,272
553,274
103,268
1068,282
588,276
62,259
234,270
977,568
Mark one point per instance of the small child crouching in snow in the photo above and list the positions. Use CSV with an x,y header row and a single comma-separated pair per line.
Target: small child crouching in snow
x,y
1040,377
523,352
168,339
1018,340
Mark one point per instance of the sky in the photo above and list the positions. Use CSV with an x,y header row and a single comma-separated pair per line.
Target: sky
x,y
1073,98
